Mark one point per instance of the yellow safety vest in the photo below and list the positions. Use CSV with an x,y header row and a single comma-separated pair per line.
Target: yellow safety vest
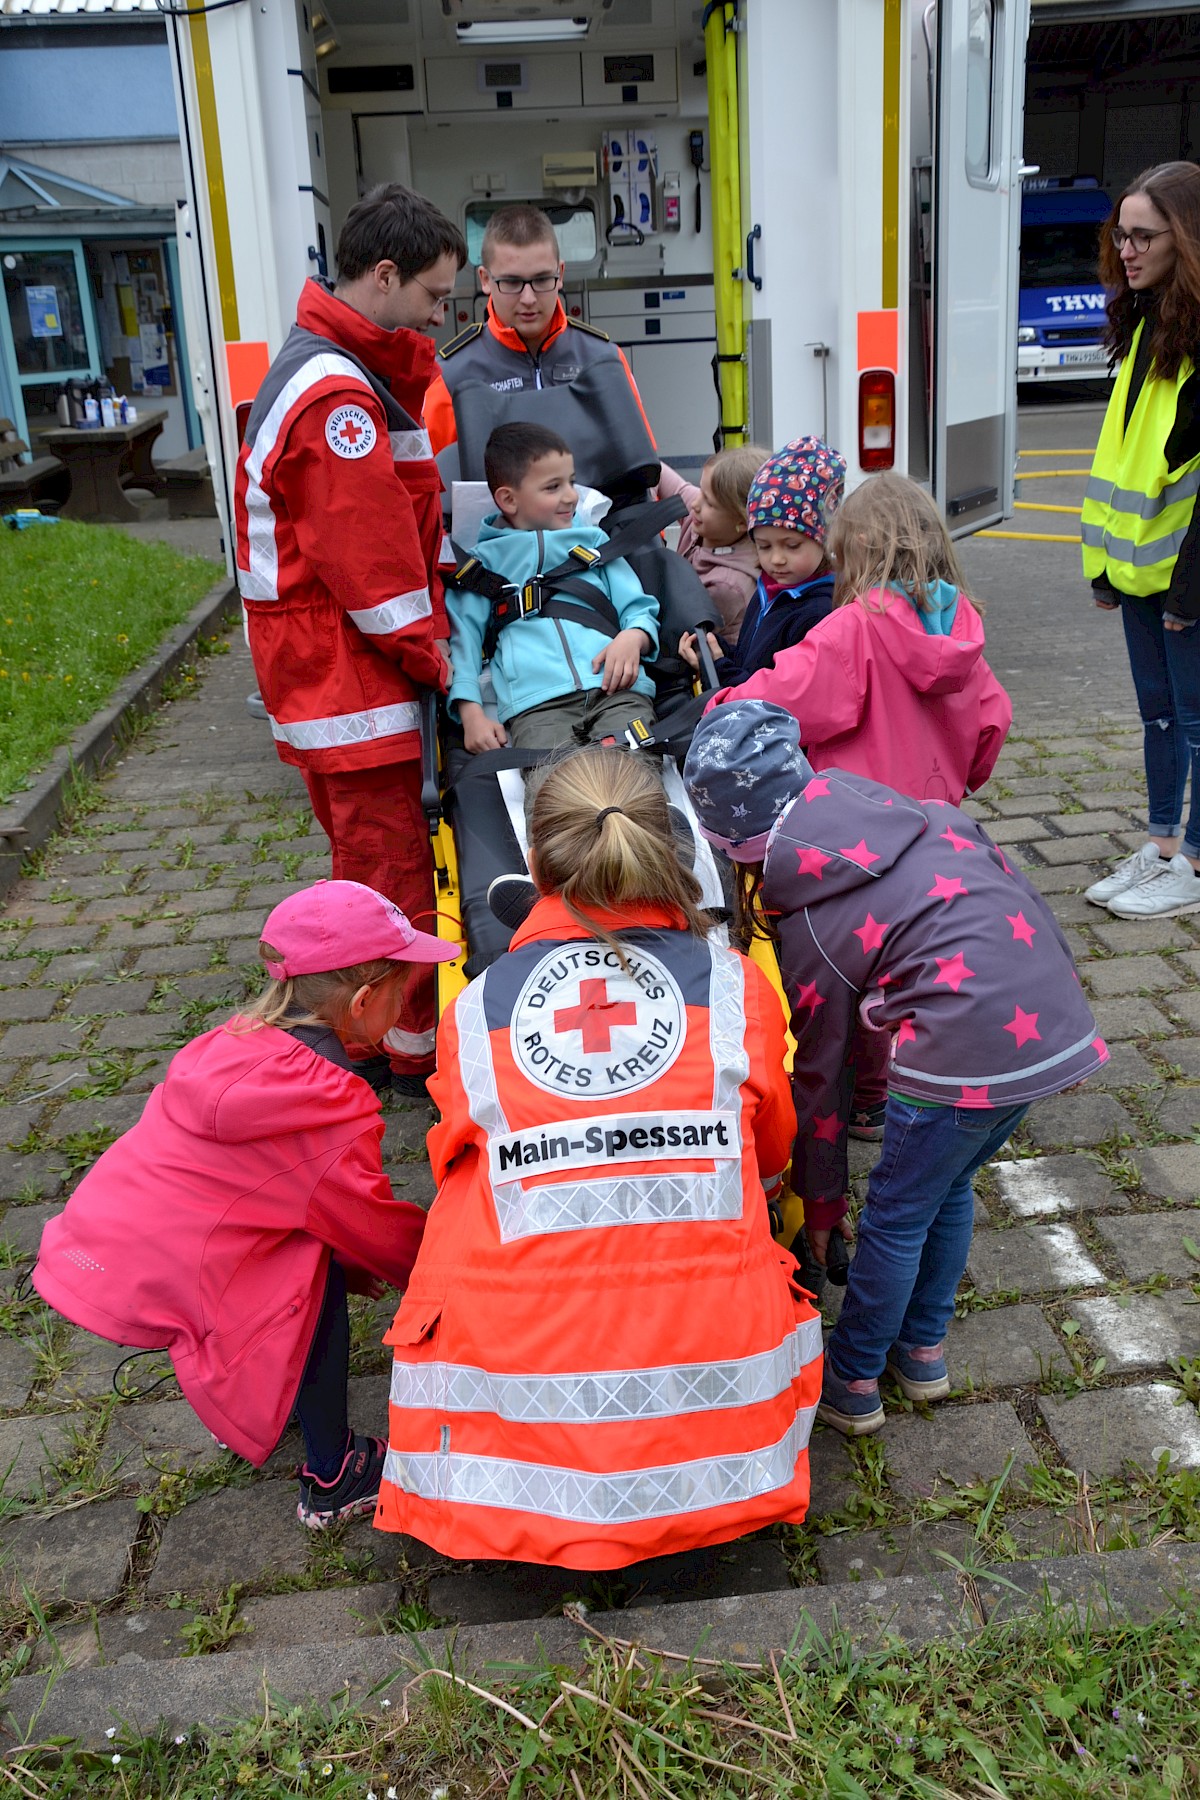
x,y
1137,510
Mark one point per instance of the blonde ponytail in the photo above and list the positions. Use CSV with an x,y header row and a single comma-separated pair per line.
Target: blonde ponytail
x,y
601,839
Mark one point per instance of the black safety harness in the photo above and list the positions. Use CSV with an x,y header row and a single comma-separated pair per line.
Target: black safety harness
x,y
564,592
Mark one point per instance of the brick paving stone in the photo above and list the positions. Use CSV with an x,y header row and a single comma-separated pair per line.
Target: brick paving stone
x,y
150,1436
80,1555
242,951
922,1547
1061,851
1031,791
125,936
1126,1067
1186,1007
139,1033
1069,909
171,959
108,997
1147,1244
412,1181
1185,1054
1170,1171
1134,1017
1079,824
1141,1331
203,900
213,984
239,1534
1030,1259
43,1040
91,1363
51,1077
19,1174
405,1132
18,1366
17,1121
83,965
1103,1430
151,1635
129,840
1121,935
1130,975
1056,1186
956,1445
1076,1119
114,1113
1069,879
21,1228
17,969
211,928
29,1450
1010,1346
1023,805
129,909
1021,830
1078,945
329,1616
23,1005
1176,1111
830,1473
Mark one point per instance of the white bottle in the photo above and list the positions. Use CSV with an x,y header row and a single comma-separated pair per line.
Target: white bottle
x,y
108,416
91,410
131,414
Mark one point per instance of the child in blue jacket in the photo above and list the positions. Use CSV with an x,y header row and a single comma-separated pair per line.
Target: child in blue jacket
x,y
791,503
557,680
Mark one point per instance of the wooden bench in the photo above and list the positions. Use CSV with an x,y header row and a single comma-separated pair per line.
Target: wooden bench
x,y
189,486
42,482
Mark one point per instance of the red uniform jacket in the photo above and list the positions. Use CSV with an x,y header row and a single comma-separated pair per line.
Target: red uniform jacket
x,y
208,1227
338,514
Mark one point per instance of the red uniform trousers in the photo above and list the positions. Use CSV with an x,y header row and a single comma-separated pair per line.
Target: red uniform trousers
x,y
379,836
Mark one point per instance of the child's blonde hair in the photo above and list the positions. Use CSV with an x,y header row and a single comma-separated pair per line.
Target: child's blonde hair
x,y
321,999
889,533
731,473
601,839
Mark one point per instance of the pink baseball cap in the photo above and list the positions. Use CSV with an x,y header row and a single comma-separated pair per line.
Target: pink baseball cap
x,y
335,924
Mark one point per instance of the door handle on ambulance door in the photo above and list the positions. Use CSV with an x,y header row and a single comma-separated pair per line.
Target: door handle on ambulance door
x,y
752,237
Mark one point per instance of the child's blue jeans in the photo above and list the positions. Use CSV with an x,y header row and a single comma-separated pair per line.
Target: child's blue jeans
x,y
915,1230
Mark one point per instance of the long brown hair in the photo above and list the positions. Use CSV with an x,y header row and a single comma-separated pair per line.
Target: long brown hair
x,y
1174,188
604,863
889,533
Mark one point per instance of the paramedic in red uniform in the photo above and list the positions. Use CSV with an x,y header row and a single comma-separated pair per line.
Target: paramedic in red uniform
x,y
338,534
528,341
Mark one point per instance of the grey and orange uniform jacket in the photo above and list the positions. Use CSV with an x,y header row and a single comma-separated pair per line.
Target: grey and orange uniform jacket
x,y
904,913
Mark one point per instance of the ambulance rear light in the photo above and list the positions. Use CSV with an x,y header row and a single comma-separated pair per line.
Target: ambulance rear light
x,y
876,419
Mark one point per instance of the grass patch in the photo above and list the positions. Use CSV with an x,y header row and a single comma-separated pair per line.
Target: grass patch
x,y
1044,1709
80,607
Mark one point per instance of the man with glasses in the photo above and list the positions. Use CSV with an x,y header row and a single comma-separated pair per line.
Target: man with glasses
x,y
527,340
339,529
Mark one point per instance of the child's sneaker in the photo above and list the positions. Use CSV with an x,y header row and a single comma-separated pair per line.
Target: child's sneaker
x,y
920,1370
851,1407
866,1122
511,899
353,1491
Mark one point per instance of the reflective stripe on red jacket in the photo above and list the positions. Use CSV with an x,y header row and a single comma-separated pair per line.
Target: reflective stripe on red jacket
x,y
338,514
601,1356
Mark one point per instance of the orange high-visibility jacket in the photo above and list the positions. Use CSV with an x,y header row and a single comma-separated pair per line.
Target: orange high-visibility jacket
x,y
602,1354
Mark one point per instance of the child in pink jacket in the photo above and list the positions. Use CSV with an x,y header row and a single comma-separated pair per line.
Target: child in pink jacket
x,y
893,684
230,1222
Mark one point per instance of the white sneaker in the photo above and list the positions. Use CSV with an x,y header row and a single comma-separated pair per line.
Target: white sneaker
x,y
1174,887
1128,872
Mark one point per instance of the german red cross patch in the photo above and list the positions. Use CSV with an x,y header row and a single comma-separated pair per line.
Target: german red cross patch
x,y
349,431
583,1026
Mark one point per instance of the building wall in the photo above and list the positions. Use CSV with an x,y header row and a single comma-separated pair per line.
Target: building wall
x,y
148,173
84,92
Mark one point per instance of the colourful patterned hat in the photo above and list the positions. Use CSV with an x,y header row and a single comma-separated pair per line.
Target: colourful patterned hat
x,y
798,489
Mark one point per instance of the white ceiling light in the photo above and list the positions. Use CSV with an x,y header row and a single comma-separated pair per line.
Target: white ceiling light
x,y
521,31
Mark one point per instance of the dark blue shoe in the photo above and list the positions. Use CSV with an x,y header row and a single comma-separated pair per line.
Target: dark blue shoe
x,y
921,1380
854,1415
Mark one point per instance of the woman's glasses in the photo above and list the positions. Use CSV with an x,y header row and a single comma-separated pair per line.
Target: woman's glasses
x,y
1139,239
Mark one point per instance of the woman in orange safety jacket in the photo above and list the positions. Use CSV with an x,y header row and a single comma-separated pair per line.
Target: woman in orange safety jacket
x,y
602,1354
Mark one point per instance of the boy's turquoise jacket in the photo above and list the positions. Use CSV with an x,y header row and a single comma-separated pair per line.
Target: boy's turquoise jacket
x,y
541,659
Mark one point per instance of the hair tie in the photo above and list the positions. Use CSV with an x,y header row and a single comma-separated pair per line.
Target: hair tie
x,y
601,816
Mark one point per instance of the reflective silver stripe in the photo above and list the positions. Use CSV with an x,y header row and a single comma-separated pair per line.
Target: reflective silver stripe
x,y
410,446
608,1395
976,1081
1144,506
260,581
348,728
650,1199
619,1498
394,615
410,1043
1141,556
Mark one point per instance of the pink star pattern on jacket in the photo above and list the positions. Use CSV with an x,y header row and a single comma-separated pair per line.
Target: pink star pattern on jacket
x,y
1023,1026
808,997
974,1096
1004,862
947,888
1100,1047
826,1127
1023,931
959,843
871,932
952,970
906,1033
816,789
812,861
858,853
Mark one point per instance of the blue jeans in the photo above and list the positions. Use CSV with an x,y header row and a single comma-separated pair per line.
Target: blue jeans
x,y
1166,675
915,1230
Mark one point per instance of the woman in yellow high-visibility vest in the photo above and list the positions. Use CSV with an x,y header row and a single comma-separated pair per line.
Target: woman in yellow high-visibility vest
x,y
1141,531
